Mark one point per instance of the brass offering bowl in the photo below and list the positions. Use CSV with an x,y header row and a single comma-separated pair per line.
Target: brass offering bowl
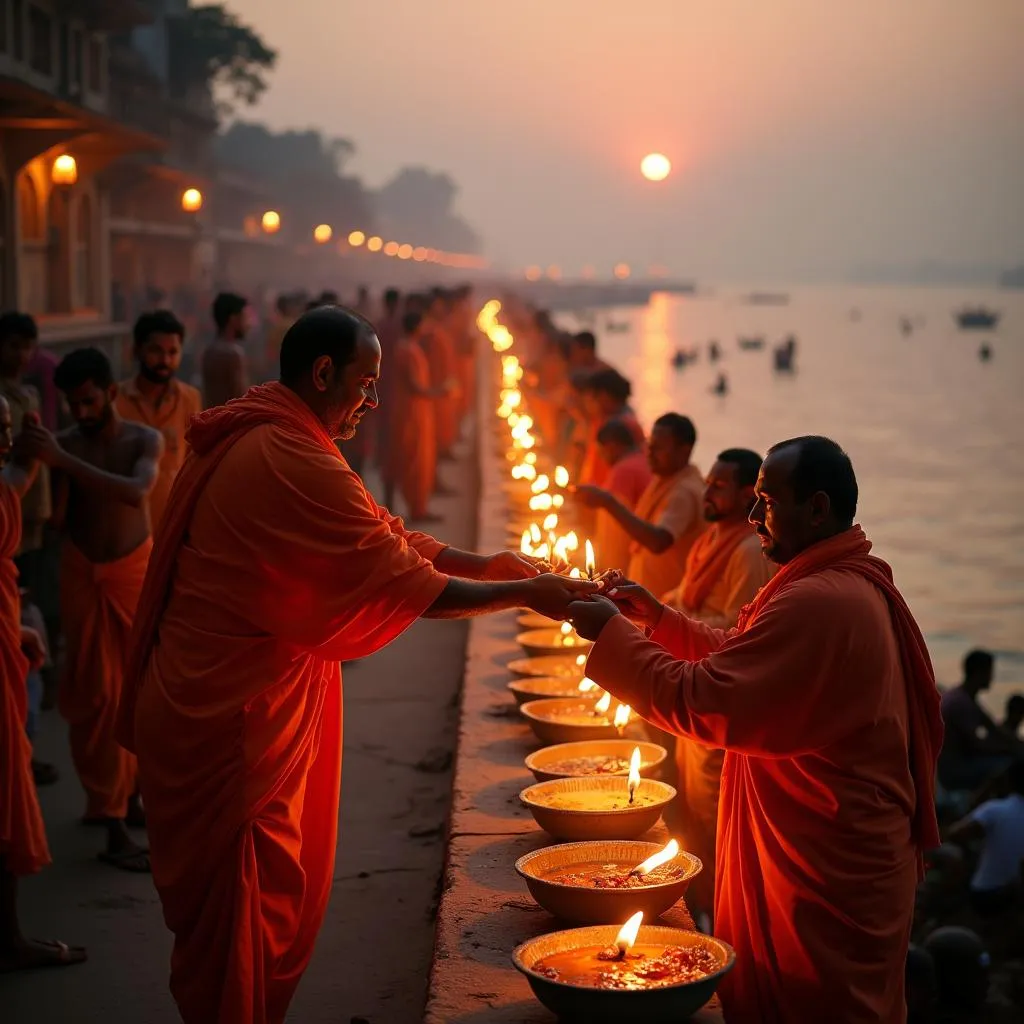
x,y
592,820
561,665
580,905
547,719
527,688
539,642
669,1004
531,620
542,762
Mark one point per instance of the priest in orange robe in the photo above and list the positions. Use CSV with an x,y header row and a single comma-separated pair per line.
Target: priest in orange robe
x,y
824,700
444,376
23,847
413,433
272,567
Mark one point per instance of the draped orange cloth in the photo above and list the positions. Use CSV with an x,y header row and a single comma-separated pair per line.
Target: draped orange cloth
x,y
22,833
413,428
272,565
708,558
594,469
825,702
443,367
97,605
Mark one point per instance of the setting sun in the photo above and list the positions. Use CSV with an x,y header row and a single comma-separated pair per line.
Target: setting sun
x,y
655,167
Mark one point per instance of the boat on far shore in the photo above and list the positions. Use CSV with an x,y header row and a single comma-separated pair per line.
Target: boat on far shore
x,y
976,318
751,343
766,299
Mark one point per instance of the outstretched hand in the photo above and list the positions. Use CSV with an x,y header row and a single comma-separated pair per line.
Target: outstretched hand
x,y
591,615
33,647
510,565
551,594
590,496
636,603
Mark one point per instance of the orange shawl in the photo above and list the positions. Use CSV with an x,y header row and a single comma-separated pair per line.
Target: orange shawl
x,y
708,558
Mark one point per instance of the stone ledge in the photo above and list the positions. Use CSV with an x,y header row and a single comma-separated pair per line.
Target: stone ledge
x,y
485,909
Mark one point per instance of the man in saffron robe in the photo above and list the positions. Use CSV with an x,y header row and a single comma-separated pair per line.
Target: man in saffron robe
x,y
442,359
413,442
628,477
605,398
724,570
668,517
105,468
157,398
23,847
274,565
825,702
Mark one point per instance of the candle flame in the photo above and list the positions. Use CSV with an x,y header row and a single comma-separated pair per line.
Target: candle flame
x,y
586,685
566,628
540,484
572,542
551,521
530,458
561,476
525,547
558,501
581,660
604,703
540,503
622,713
575,574
663,856
542,552
535,533
634,765
628,933
591,562
562,549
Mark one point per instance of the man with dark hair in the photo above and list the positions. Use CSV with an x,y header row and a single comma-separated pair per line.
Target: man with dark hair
x,y
628,476
105,468
23,846
225,367
824,701
605,396
583,353
274,566
975,749
724,571
668,519
158,399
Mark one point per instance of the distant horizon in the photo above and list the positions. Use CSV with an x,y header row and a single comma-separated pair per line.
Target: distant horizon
x,y
805,143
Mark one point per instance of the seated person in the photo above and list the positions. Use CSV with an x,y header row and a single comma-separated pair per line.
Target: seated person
x,y
1014,715
975,748
998,826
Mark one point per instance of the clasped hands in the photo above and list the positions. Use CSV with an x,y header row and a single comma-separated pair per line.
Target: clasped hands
x,y
587,604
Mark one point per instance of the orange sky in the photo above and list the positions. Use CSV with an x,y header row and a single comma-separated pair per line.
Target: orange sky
x,y
807,136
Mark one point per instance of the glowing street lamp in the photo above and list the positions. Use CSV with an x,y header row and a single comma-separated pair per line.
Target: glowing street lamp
x,y
405,251
655,167
322,233
375,244
271,222
191,200
356,239
622,271
64,170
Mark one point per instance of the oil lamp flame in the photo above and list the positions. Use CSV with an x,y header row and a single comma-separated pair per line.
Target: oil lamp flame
x,y
634,765
622,713
628,933
530,458
540,484
557,501
656,860
525,547
551,521
604,704
572,542
561,476
575,574
540,502
566,628
535,533
586,685
591,562
581,660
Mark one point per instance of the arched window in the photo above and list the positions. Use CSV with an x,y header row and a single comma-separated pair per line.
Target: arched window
x,y
29,214
85,280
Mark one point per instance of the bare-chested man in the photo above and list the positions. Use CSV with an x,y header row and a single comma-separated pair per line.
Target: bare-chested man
x,y
225,367
105,468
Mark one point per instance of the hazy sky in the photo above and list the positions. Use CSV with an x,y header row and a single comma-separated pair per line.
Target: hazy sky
x,y
807,136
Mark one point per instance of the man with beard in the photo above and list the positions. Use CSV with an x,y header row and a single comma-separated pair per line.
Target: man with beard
x,y
158,399
104,470
274,565
724,570
225,367
824,700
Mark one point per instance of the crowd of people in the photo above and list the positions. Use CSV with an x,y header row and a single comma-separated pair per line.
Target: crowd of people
x,y
187,506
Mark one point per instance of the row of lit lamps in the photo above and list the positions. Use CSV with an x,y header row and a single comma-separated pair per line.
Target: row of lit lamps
x,y
65,173
622,271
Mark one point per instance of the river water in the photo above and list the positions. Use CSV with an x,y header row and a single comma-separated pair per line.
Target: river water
x,y
936,436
